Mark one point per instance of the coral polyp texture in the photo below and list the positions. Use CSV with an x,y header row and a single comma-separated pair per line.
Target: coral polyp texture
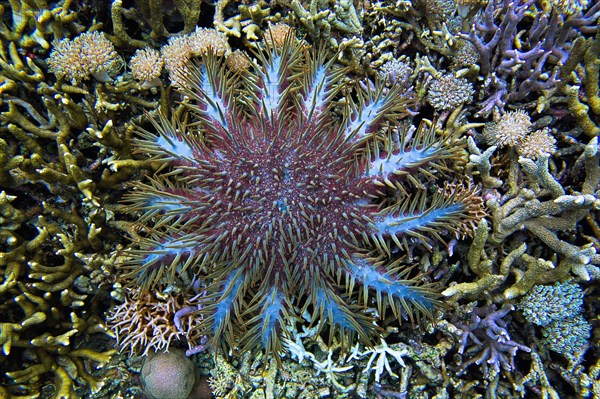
x,y
282,206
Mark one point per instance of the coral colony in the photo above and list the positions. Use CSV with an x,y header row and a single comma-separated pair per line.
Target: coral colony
x,y
280,206
269,199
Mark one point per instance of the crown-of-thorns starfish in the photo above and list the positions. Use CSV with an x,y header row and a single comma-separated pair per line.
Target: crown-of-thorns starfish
x,y
283,207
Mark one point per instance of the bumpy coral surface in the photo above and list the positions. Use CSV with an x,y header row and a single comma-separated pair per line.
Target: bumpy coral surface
x,y
282,208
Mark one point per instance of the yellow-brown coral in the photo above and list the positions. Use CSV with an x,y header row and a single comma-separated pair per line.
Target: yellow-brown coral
x,y
537,143
89,54
149,322
146,66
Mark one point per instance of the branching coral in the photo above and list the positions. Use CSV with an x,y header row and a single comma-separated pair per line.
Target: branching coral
x,y
320,19
492,346
55,239
541,207
34,22
582,71
154,13
149,323
526,211
517,64
32,306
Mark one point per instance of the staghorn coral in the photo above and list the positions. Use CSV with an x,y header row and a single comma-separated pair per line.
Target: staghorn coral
x,y
55,200
278,207
519,69
35,23
247,21
580,84
545,218
36,291
322,20
492,346
566,7
541,206
160,19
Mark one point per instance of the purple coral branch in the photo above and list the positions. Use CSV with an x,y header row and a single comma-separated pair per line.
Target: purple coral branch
x,y
492,342
585,23
496,99
182,312
518,72
198,348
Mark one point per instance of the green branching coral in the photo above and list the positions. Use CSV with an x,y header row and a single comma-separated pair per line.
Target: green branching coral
x,y
155,13
54,222
321,19
43,302
580,75
35,23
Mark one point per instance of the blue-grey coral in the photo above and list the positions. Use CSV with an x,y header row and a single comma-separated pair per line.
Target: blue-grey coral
x,y
545,304
568,336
